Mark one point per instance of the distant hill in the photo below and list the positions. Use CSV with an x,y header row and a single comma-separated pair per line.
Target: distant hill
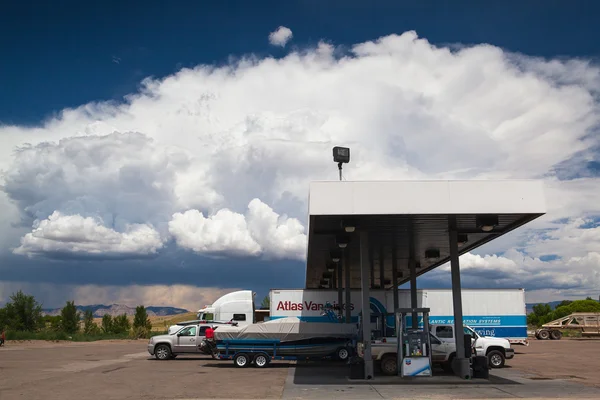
x,y
100,310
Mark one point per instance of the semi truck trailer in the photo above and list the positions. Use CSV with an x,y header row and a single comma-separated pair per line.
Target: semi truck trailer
x,y
490,312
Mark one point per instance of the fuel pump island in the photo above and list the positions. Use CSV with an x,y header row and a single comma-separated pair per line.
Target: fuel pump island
x,y
414,346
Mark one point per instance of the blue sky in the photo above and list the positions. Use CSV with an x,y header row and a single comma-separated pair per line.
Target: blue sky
x,y
57,57
76,54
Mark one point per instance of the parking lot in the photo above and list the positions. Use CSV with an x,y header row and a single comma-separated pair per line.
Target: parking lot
x,y
124,370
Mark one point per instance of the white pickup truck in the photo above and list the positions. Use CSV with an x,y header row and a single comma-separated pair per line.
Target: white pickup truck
x,y
443,349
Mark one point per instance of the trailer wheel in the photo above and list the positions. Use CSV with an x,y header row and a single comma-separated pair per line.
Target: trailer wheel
x,y
261,361
389,365
555,335
241,360
544,335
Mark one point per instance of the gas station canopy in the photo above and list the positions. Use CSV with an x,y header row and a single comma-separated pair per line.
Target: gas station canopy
x,y
410,220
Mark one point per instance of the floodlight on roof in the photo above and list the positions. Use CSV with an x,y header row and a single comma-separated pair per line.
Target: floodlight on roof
x,y
432,253
486,222
341,155
335,255
342,241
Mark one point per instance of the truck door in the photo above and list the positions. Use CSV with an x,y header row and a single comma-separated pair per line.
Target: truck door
x,y
186,340
445,333
439,349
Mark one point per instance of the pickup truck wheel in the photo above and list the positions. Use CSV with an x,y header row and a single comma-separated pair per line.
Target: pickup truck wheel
x,y
555,335
342,354
496,359
241,360
162,352
447,365
389,365
544,335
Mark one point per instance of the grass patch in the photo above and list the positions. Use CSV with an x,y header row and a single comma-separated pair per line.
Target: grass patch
x,y
162,323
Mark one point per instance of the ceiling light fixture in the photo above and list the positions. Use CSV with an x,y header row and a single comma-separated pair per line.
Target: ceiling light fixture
x,y
486,222
349,226
462,239
432,253
335,255
342,241
330,266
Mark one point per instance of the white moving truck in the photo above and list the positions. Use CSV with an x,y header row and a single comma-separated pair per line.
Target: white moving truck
x,y
490,312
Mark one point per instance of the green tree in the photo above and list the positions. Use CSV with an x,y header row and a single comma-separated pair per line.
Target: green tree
x,y
89,326
21,313
543,313
107,324
70,318
121,324
141,323
266,303
53,322
563,303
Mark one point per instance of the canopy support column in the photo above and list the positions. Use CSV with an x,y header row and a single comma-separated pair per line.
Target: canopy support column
x,y
395,275
366,307
347,308
340,287
461,363
413,275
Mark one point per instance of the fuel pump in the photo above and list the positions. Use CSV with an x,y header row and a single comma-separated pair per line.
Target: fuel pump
x,y
414,345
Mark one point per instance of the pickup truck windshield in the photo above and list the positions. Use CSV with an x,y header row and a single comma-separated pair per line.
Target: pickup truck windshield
x,y
469,331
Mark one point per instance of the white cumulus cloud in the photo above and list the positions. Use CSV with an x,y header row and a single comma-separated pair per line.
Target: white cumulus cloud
x,y
213,138
77,235
280,36
260,231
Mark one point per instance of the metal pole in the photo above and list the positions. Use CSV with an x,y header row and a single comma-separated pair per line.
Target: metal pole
x,y
372,267
395,274
340,288
366,307
413,275
461,363
381,268
382,321
413,291
348,301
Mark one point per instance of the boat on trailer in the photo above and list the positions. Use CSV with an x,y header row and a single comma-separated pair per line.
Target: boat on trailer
x,y
284,339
